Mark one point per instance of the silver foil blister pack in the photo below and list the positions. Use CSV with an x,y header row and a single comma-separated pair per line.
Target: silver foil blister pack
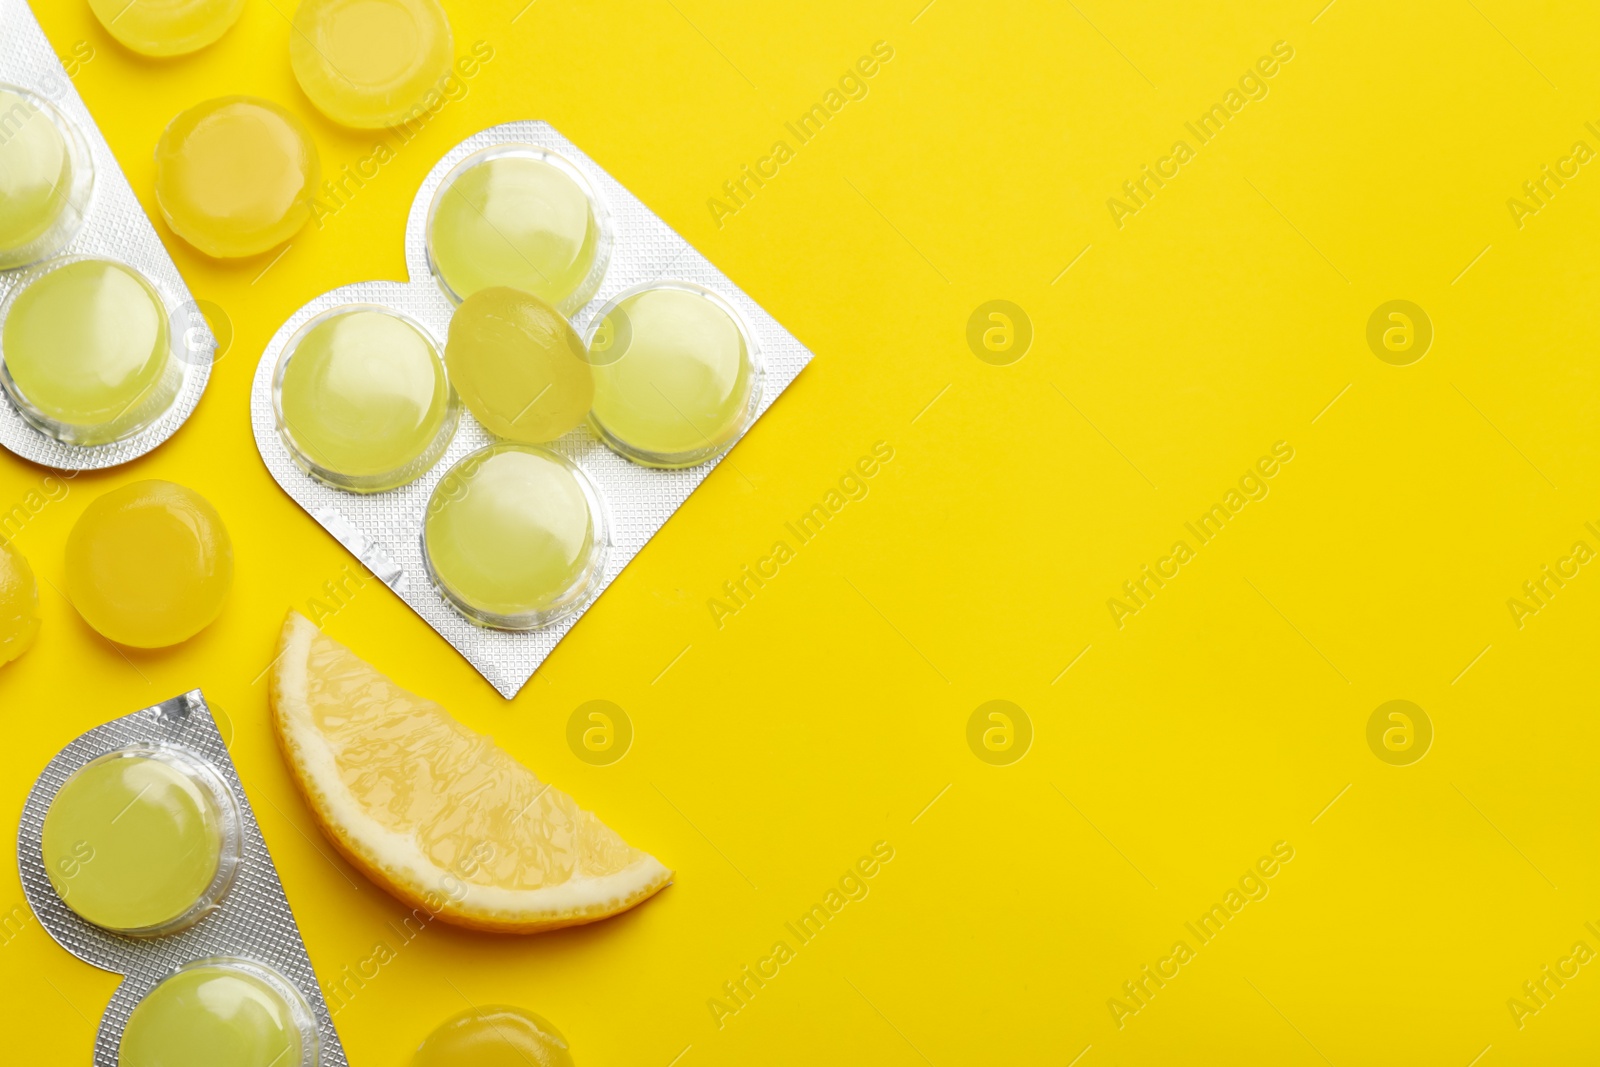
x,y
384,529
110,224
251,921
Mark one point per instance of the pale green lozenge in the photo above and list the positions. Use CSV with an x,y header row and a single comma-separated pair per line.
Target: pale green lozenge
x,y
86,349
132,843
515,220
674,377
363,401
514,537
215,1014
35,176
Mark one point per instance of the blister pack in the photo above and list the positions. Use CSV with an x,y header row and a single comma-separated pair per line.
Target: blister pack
x,y
496,438
139,854
103,352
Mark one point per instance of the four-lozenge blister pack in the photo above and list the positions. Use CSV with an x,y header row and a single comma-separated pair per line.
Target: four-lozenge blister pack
x,y
139,854
496,438
103,353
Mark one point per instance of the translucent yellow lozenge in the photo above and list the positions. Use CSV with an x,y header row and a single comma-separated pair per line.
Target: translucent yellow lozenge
x,y
675,377
514,536
19,603
519,366
370,63
149,564
86,351
133,843
166,27
220,1013
363,402
497,1036
236,176
36,175
510,216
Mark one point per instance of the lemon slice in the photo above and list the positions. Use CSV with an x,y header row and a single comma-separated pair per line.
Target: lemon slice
x,y
436,814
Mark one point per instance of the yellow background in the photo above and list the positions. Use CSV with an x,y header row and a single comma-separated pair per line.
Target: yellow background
x,y
828,713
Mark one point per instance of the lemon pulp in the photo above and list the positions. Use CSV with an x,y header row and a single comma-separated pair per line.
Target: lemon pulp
x,y
131,843
35,175
19,603
511,536
518,221
497,1036
673,377
519,366
149,564
212,1015
364,398
236,176
166,27
86,347
370,63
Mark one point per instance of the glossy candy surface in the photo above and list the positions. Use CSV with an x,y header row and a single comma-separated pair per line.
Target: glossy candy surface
x,y
363,400
236,176
495,1036
166,27
673,378
19,604
131,843
150,564
514,220
370,63
35,175
212,1015
86,347
518,366
510,535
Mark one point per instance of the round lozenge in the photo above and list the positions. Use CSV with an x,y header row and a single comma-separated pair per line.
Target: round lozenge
x,y
133,842
494,1036
19,603
86,351
675,376
363,401
370,63
514,537
166,27
150,564
517,216
519,366
220,1013
36,177
236,176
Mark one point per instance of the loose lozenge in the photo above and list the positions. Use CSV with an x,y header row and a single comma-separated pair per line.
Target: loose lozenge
x,y
518,216
135,840
220,1012
19,603
166,27
150,564
370,63
675,376
519,366
236,176
86,351
514,537
363,401
495,1036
